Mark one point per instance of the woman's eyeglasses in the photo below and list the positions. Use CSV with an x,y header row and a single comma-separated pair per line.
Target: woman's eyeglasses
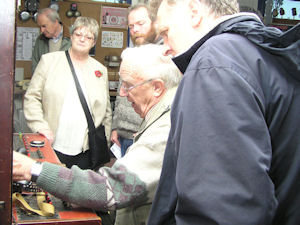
x,y
85,37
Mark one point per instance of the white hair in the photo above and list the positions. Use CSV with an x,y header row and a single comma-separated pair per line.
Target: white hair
x,y
148,62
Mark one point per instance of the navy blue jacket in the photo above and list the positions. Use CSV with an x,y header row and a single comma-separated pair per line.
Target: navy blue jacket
x,y
233,153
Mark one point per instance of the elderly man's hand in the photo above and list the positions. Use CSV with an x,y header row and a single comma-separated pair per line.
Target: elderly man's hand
x,y
22,167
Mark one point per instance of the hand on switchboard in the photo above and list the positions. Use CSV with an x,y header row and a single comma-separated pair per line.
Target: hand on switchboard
x,y
48,134
22,167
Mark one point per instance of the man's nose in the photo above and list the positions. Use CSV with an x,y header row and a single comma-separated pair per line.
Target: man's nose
x,y
135,28
167,50
42,29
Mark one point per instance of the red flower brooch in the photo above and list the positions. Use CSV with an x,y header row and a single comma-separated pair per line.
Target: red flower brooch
x,y
98,73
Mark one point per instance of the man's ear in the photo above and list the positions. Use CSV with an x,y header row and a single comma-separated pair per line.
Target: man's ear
x,y
159,87
196,12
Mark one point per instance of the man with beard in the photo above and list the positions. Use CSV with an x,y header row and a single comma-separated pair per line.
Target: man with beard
x,y
141,25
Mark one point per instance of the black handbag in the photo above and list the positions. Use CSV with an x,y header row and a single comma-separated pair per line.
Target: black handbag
x,y
98,148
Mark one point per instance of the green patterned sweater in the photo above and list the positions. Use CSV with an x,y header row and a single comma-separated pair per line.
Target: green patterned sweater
x,y
131,181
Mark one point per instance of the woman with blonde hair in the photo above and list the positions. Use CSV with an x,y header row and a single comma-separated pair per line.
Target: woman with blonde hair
x,y
51,104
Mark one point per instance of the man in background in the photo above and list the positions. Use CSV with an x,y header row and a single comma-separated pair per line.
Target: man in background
x,y
125,121
53,37
233,153
141,25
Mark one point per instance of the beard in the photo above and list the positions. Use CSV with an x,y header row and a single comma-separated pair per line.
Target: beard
x,y
141,39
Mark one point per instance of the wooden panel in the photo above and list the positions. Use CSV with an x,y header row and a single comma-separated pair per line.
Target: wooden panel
x,y
7,40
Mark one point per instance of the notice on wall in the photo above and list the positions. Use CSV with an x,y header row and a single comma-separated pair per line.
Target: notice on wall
x,y
114,17
112,39
26,37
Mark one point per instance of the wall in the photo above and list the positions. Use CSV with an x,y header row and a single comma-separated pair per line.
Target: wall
x,y
250,3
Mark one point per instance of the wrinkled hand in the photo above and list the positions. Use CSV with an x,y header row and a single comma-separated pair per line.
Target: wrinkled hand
x,y
48,134
22,167
114,137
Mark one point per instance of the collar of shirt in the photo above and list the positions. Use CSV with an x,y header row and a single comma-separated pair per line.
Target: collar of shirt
x,y
56,39
182,60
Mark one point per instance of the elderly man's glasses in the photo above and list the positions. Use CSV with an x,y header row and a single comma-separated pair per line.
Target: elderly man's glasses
x,y
86,37
127,88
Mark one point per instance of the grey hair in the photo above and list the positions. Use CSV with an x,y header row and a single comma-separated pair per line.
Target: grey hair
x,y
90,23
217,7
50,13
142,5
148,62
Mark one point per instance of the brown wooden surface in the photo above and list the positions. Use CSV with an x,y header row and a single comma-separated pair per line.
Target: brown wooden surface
x,y
7,40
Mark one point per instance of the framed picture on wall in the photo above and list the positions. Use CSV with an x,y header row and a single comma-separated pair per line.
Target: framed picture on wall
x,y
113,17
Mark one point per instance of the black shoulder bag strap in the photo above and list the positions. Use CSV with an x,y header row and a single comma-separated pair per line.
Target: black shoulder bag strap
x,y
86,110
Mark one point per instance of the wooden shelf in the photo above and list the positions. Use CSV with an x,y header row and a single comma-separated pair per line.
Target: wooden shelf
x,y
98,2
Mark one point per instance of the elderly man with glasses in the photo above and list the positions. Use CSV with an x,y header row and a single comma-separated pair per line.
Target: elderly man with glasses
x,y
125,121
149,81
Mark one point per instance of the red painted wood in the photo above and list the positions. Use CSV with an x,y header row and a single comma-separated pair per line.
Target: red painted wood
x,y
63,216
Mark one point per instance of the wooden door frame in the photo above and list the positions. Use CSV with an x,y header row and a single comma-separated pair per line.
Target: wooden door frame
x,y
7,65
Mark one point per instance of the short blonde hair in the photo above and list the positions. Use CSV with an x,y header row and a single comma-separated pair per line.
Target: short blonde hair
x,y
90,23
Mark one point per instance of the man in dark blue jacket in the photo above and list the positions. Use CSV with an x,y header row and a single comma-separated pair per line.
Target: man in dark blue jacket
x,y
233,154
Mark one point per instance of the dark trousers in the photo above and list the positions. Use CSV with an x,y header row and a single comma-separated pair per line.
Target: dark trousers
x,y
125,143
82,160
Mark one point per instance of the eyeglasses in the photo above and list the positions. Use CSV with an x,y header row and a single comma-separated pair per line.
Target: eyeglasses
x,y
85,37
127,89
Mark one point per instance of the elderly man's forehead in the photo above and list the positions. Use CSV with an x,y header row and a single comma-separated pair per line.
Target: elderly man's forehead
x,y
128,69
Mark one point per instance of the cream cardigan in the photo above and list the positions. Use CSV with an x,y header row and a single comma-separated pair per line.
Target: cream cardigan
x,y
44,97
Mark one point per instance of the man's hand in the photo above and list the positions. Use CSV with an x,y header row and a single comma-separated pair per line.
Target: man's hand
x,y
48,134
22,167
114,137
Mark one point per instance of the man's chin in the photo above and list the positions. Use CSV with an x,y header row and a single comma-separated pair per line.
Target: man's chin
x,y
47,36
135,108
139,41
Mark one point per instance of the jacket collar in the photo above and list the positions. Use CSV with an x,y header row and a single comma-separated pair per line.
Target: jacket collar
x,y
182,61
284,46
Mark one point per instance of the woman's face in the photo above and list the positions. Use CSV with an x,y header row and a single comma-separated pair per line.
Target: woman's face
x,y
82,40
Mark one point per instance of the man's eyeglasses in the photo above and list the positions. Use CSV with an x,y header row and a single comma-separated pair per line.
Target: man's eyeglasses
x,y
127,89
86,37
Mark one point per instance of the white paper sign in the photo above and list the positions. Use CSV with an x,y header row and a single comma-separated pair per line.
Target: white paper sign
x,y
26,37
112,39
